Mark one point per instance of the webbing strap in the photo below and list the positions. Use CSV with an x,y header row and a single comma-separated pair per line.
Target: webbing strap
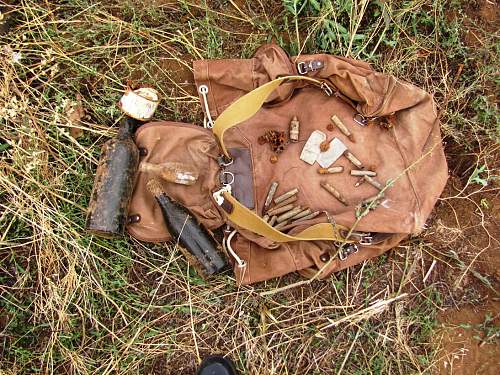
x,y
241,110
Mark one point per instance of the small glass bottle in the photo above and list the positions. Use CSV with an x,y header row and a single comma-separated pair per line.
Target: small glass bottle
x,y
114,183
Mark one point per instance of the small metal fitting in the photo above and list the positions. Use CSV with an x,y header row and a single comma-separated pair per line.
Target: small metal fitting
x,y
305,67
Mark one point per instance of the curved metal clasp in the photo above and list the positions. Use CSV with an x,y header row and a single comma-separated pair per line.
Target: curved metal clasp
x,y
208,123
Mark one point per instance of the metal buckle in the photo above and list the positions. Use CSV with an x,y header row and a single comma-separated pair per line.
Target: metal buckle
x,y
366,239
327,89
222,178
305,67
350,249
360,119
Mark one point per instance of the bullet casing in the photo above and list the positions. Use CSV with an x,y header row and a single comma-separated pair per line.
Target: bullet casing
x,y
270,195
303,213
286,195
353,159
355,172
265,218
331,170
280,210
294,130
273,219
284,203
289,214
308,217
340,125
329,188
281,225
373,182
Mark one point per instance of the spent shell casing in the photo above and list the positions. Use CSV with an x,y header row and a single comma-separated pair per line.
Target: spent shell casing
x,y
281,225
265,218
353,159
340,125
273,219
294,130
289,214
270,195
355,172
373,182
331,170
303,213
280,210
308,217
286,195
285,202
329,188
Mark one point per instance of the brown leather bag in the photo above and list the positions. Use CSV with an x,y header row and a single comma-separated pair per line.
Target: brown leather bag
x,y
396,133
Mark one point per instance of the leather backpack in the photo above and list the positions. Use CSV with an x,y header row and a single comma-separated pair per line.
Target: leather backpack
x,y
394,130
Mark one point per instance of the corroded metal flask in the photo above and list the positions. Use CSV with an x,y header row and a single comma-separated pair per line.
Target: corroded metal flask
x,y
192,236
114,183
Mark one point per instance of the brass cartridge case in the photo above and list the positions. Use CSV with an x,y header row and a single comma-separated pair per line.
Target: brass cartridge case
x,y
373,182
331,170
280,210
270,195
355,172
294,130
273,219
286,195
353,159
329,188
340,125
303,213
308,217
281,225
285,202
265,218
289,214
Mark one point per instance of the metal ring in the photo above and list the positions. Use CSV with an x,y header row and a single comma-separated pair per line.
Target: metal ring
x,y
203,89
231,174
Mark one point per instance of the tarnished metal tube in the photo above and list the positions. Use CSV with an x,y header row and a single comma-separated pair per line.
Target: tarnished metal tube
x,y
353,159
289,214
355,172
280,210
329,188
286,195
331,170
340,125
373,182
270,195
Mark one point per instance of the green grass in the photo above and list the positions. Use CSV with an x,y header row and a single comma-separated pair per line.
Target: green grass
x,y
71,303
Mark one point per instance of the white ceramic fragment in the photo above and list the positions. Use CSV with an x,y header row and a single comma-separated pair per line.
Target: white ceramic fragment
x,y
335,151
311,149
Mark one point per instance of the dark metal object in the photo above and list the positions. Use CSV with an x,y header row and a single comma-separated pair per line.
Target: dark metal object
x,y
190,234
113,183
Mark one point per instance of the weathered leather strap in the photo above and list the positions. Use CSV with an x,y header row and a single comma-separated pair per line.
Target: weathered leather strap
x,y
241,110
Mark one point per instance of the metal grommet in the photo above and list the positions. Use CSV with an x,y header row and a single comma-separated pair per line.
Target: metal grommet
x,y
132,219
143,151
324,257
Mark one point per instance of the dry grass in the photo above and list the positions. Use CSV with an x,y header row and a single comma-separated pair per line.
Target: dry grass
x,y
71,303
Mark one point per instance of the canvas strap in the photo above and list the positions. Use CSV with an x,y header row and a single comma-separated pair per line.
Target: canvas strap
x,y
241,110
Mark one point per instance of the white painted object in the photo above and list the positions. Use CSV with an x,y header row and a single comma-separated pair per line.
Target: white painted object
x,y
335,151
311,149
140,104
